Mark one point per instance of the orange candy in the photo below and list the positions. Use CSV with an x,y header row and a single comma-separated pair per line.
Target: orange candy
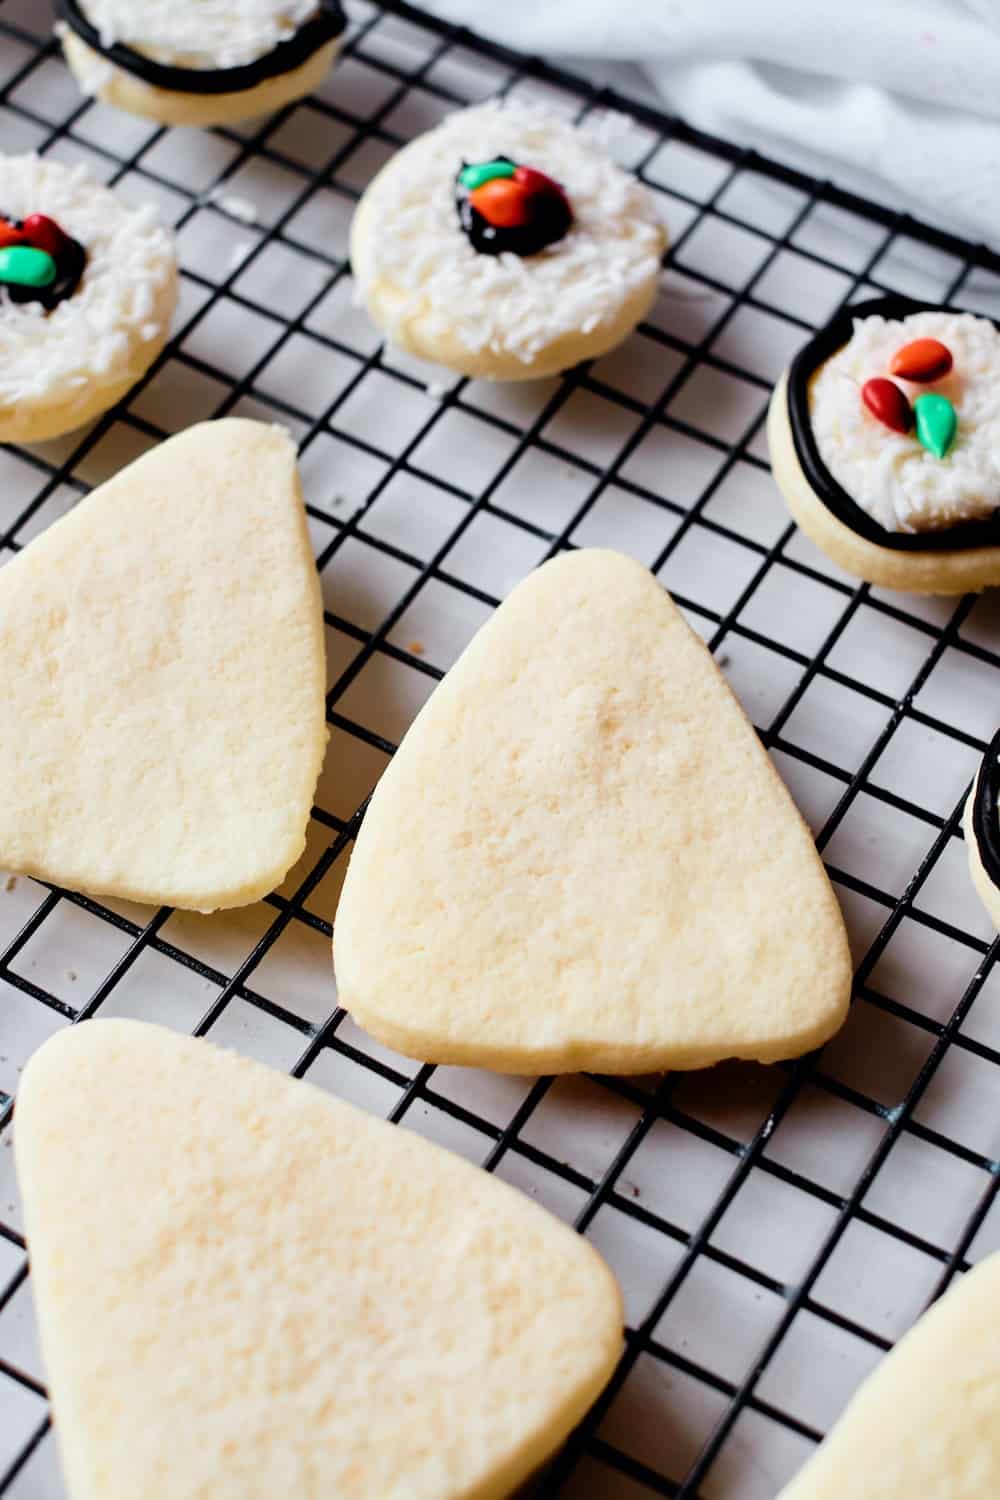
x,y
10,235
503,203
922,360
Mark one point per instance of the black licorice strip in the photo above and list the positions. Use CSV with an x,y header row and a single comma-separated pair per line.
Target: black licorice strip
x,y
986,810
963,537
313,34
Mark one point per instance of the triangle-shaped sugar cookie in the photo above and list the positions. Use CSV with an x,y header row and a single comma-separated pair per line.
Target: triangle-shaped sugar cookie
x,y
581,856
247,1289
162,678
927,1422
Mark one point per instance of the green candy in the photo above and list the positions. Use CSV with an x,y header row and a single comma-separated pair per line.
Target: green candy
x,y
937,422
478,172
23,265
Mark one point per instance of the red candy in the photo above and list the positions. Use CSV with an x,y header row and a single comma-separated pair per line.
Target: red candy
x,y
534,181
503,202
44,233
888,403
38,231
922,361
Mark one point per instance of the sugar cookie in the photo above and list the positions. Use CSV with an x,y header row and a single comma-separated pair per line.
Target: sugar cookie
x,y
927,1422
506,244
200,62
87,292
885,441
162,678
248,1289
981,826
581,857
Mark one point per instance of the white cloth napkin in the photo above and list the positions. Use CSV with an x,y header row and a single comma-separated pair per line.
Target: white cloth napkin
x,y
895,97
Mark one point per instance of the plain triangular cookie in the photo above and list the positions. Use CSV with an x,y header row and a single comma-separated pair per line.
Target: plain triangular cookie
x,y
248,1289
162,678
581,857
927,1423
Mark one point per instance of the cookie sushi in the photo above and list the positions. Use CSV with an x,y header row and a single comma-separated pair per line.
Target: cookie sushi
x,y
200,62
885,441
87,293
981,826
507,245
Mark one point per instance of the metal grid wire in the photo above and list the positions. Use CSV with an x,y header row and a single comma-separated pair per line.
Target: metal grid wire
x,y
774,1229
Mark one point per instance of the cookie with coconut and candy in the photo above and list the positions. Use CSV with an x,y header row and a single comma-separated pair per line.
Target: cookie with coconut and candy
x,y
885,441
506,244
981,826
200,62
87,293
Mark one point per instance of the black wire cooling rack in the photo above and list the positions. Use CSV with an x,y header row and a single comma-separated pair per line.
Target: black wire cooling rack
x,y
774,1229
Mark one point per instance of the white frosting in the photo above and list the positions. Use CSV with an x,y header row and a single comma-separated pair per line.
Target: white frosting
x,y
198,33
889,474
120,303
510,303
93,71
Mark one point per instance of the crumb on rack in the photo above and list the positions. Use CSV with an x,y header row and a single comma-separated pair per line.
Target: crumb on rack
x,y
239,253
416,648
10,884
232,204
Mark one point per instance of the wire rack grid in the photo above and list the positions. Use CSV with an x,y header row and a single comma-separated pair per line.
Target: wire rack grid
x,y
774,1230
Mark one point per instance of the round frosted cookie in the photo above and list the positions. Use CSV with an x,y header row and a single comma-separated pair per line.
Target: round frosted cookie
x,y
981,825
885,441
200,62
507,245
87,293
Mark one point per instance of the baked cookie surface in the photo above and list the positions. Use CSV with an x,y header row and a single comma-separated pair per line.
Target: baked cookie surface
x,y
581,857
162,676
445,293
889,464
927,1422
247,1288
73,345
200,62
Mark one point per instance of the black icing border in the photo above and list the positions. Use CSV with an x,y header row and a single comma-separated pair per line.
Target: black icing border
x,y
329,23
986,810
963,537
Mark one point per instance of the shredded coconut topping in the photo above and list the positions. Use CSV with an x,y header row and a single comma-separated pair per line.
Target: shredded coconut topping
x,y
125,297
507,303
198,33
889,474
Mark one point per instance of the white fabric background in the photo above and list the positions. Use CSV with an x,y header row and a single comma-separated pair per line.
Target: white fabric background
x,y
898,98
